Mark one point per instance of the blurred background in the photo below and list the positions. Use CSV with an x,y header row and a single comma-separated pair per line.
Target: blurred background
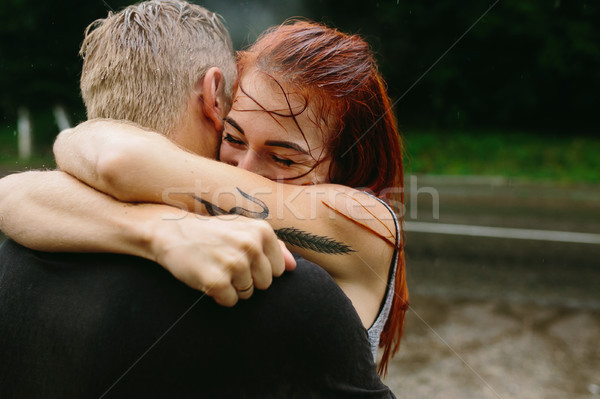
x,y
498,105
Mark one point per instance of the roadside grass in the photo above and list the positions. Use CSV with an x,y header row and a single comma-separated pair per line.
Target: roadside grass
x,y
41,158
527,156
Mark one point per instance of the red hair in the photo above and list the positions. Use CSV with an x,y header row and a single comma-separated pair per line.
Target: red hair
x,y
338,72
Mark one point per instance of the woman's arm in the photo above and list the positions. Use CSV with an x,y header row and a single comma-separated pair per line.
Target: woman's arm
x,y
52,211
135,165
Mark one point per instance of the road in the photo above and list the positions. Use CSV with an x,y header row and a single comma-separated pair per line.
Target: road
x,y
500,317
532,271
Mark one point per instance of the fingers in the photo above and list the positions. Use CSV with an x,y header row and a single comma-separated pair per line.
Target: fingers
x,y
227,260
255,265
227,297
261,271
260,258
274,251
227,293
243,282
235,271
290,262
222,291
246,292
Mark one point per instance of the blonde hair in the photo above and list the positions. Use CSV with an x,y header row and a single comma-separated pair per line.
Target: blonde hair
x,y
142,63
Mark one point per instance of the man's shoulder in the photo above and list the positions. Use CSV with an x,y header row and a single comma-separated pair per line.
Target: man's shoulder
x,y
12,252
20,262
309,292
302,331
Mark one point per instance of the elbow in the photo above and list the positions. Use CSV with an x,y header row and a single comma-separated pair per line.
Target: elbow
x,y
113,167
107,155
8,185
5,190
12,195
99,154
60,148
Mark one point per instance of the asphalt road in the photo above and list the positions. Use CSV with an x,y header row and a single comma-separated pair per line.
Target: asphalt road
x,y
500,317
517,270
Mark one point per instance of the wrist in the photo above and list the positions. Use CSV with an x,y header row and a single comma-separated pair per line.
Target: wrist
x,y
143,231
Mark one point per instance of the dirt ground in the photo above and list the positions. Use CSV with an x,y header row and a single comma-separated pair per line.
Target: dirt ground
x,y
487,349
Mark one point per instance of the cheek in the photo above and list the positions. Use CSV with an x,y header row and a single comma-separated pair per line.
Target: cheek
x,y
277,172
227,154
321,172
319,175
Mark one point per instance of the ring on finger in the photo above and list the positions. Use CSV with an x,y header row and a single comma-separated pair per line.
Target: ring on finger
x,y
246,289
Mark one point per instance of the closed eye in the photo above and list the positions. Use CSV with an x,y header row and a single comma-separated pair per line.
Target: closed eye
x,y
230,139
283,161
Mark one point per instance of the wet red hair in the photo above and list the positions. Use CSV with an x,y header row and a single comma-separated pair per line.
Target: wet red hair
x,y
339,74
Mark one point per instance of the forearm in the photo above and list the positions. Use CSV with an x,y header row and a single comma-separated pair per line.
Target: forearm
x,y
86,150
134,165
52,211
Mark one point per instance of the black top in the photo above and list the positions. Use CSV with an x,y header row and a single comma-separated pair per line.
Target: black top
x,y
112,326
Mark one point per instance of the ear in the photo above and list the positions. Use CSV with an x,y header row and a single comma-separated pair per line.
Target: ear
x,y
212,101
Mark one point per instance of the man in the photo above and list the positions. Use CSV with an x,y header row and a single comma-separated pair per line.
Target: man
x,y
105,325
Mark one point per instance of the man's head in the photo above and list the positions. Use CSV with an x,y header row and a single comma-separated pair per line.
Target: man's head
x,y
153,63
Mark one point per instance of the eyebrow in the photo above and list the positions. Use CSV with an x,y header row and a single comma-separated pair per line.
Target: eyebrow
x,y
272,143
286,144
234,124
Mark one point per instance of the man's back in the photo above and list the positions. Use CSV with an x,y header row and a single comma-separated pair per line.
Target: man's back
x,y
84,325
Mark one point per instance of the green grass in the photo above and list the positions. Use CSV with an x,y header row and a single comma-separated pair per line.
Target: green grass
x,y
9,160
518,155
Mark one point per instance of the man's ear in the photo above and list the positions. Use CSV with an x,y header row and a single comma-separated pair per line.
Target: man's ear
x,y
212,89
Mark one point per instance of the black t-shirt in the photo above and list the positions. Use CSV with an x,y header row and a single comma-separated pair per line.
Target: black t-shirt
x,y
115,326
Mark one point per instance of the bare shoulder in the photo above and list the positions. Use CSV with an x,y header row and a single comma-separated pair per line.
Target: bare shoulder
x,y
367,226
371,217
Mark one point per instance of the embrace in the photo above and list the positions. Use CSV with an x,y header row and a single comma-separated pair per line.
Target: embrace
x,y
211,168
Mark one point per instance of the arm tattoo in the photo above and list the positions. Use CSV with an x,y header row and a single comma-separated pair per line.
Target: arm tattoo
x,y
291,235
214,210
314,242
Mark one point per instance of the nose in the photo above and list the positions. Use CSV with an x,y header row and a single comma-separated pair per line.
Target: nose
x,y
250,161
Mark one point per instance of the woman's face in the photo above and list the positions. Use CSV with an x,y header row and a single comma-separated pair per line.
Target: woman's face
x,y
272,145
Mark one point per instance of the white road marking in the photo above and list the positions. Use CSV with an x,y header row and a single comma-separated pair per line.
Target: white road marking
x,y
502,232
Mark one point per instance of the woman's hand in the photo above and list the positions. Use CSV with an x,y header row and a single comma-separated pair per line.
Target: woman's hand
x,y
222,257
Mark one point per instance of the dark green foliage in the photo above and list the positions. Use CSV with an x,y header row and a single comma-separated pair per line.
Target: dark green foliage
x,y
39,62
527,65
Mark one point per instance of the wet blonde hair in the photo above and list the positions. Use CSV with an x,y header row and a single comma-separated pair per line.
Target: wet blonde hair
x,y
142,63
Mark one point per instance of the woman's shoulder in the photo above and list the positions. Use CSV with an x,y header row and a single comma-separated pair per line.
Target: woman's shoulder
x,y
365,210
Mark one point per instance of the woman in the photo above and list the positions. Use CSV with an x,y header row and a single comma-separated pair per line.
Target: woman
x,y
311,111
